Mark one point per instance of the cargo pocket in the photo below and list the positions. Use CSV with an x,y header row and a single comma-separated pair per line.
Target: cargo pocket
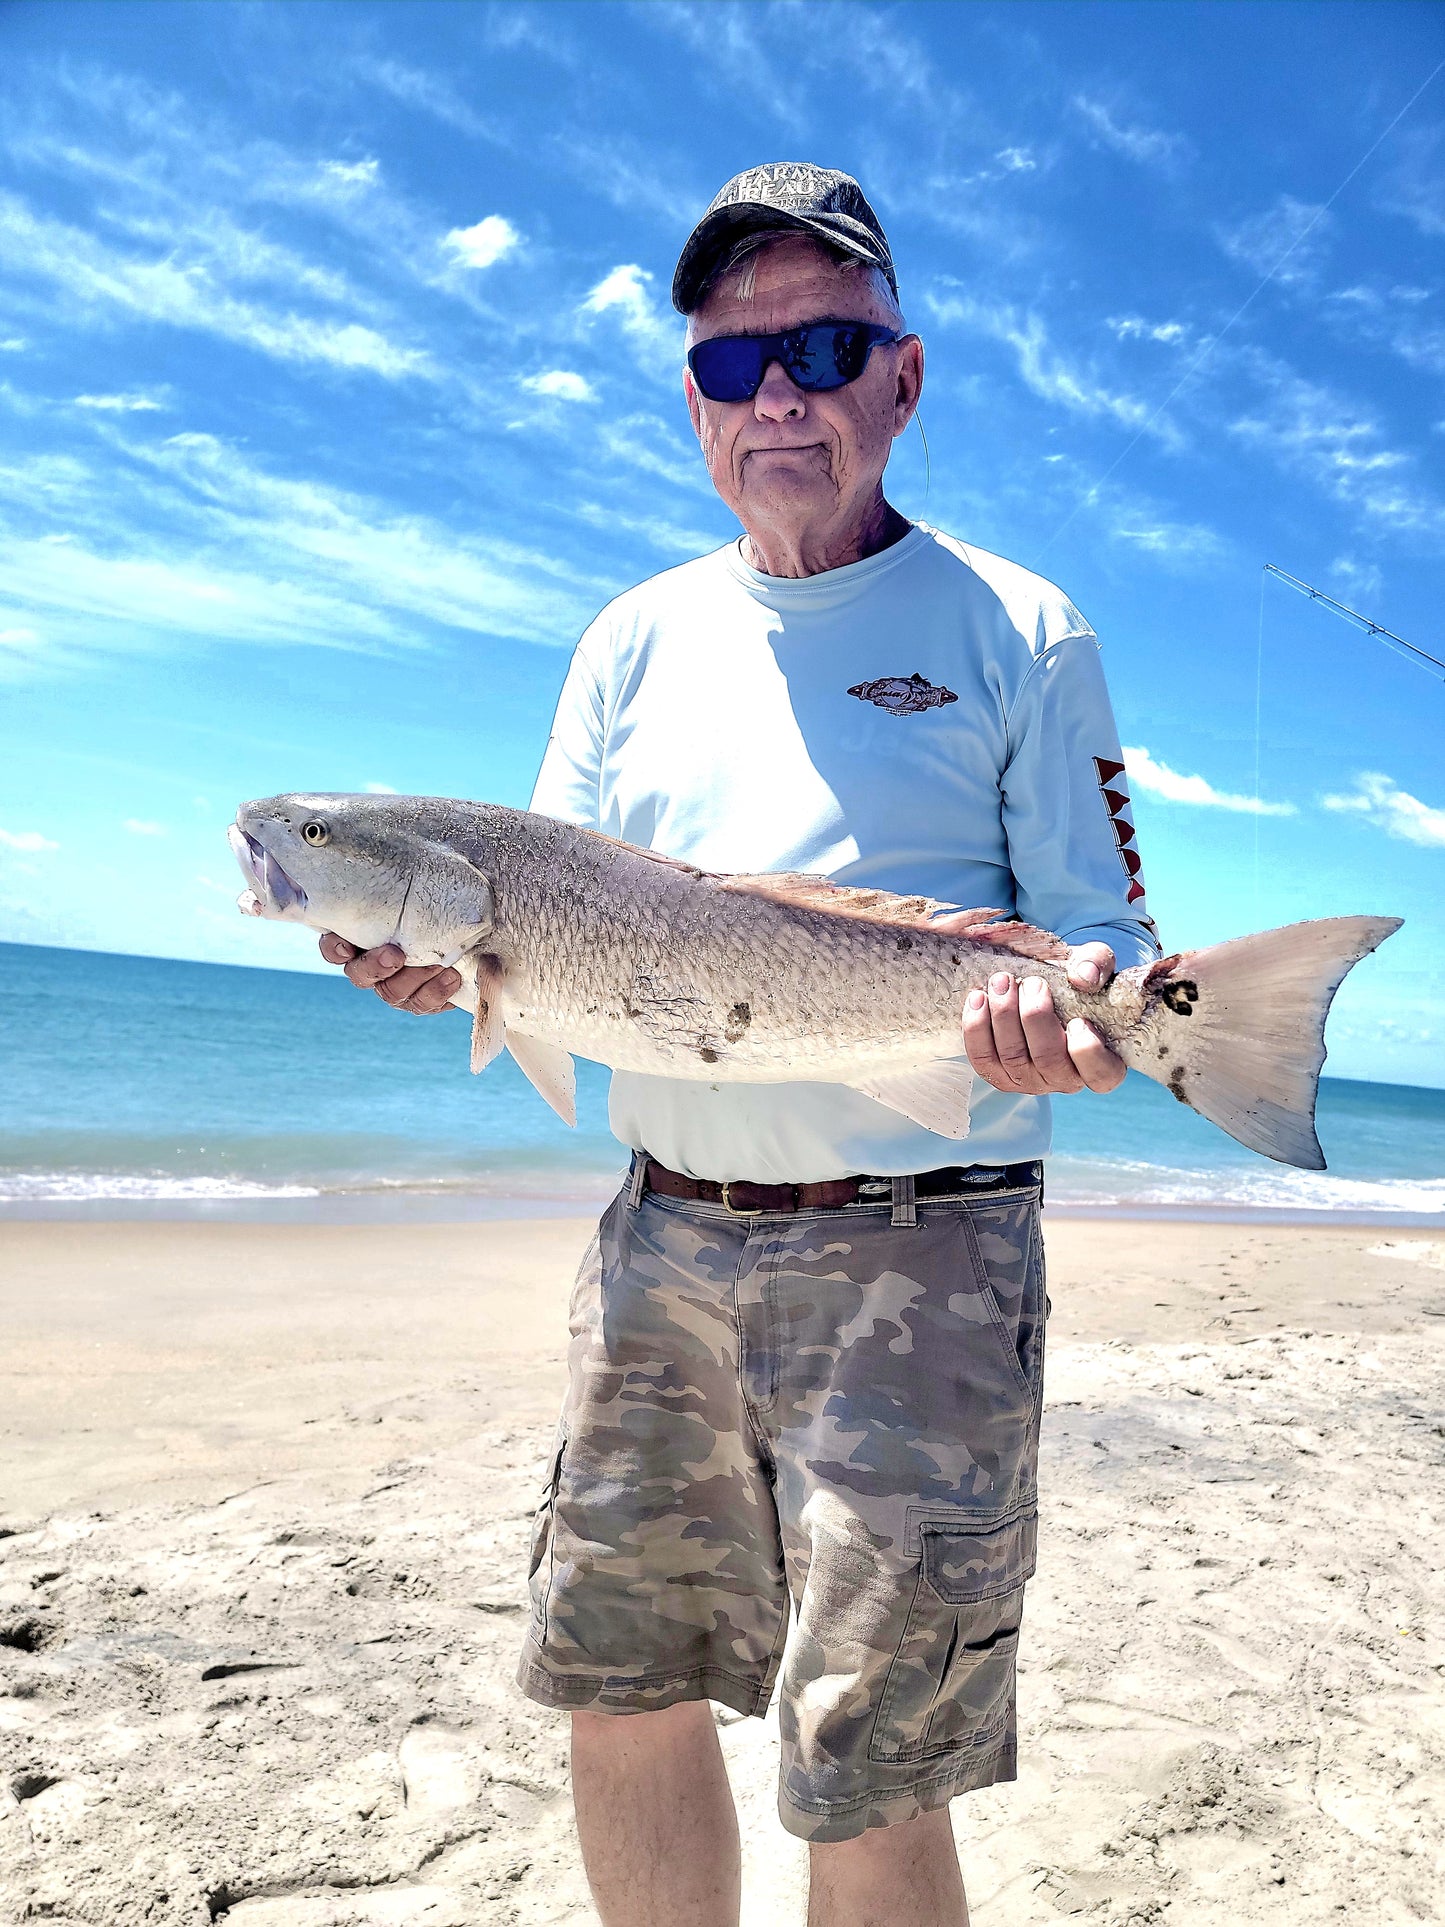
x,y
951,1684
540,1564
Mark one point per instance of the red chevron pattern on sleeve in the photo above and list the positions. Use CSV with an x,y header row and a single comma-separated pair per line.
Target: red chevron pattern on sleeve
x,y
1114,788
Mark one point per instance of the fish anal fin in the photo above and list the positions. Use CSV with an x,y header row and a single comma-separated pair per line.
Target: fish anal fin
x,y
937,1096
550,1071
489,1033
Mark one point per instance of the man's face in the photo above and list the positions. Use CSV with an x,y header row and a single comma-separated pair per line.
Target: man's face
x,y
787,458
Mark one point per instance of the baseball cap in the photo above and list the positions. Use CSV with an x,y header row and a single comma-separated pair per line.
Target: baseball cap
x,y
781,195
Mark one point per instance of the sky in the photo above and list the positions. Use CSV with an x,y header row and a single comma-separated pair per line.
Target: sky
x,y
339,389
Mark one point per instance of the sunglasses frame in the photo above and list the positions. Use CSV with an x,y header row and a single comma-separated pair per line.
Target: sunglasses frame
x,y
775,347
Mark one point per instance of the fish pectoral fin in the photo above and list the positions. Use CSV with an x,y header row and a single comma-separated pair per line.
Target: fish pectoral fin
x,y
550,1070
937,1096
489,1033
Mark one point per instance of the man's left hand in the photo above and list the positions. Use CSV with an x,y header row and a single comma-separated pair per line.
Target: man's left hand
x,y
1017,1043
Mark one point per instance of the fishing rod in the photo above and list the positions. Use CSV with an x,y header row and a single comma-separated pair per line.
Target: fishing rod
x,y
1431,664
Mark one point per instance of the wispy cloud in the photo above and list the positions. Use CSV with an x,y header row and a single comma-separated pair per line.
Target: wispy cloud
x,y
1287,240
119,404
379,789
30,842
1382,802
1133,327
1146,773
1047,370
626,293
560,384
485,243
195,294
1149,146
140,826
427,93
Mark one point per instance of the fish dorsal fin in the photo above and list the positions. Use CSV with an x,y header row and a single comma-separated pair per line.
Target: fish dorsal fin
x,y
841,899
918,913
550,1071
489,1033
937,1096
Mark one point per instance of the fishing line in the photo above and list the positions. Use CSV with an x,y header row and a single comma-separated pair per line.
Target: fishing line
x,y
1258,704
1209,347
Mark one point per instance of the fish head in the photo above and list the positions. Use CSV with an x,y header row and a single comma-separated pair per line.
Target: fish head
x,y
371,868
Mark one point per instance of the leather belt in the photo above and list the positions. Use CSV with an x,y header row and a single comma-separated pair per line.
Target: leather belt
x,y
747,1200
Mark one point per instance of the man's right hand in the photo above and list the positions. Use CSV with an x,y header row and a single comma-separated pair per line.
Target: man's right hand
x,y
423,988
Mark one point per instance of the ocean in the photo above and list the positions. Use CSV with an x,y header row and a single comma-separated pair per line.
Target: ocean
x,y
144,1086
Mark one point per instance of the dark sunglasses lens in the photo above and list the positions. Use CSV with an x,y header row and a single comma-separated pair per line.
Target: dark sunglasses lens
x,y
728,369
827,357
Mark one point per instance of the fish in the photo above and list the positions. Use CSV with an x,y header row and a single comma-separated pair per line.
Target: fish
x,y
903,695
570,943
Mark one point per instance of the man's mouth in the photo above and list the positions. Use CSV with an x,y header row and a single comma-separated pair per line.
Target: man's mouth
x,y
272,892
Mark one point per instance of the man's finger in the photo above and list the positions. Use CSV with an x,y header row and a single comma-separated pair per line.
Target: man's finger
x,y
434,995
336,950
402,985
1099,1067
978,1042
1090,966
1047,1045
372,966
1008,1034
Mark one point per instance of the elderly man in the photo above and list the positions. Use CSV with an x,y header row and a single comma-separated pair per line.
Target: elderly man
x,y
807,1352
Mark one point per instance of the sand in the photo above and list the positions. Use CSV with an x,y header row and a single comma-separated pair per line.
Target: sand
x,y
265,1493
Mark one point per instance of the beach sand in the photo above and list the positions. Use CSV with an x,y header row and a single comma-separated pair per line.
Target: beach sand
x,y
266,1490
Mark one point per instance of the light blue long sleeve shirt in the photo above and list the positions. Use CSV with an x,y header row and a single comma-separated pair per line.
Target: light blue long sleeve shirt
x,y
748,722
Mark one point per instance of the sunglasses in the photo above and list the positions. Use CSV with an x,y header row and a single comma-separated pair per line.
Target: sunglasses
x,y
820,354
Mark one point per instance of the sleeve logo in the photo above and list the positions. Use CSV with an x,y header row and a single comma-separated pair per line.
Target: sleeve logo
x,y
1113,787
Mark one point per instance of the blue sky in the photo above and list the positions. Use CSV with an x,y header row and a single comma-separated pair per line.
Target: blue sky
x,y
339,389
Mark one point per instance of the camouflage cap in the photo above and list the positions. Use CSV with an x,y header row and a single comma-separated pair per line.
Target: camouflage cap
x,y
782,195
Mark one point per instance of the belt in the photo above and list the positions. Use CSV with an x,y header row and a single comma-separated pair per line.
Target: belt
x,y
747,1200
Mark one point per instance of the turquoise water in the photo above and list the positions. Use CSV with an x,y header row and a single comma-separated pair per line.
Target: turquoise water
x,y
143,1079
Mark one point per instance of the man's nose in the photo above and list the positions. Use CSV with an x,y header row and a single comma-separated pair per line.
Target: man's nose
x,y
779,398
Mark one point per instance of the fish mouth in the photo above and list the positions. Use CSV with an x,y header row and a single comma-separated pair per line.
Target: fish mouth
x,y
272,892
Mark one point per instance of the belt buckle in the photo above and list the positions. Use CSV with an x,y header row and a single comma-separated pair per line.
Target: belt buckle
x,y
739,1211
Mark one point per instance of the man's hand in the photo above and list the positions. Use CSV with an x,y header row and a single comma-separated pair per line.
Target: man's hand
x,y
423,988
1016,1042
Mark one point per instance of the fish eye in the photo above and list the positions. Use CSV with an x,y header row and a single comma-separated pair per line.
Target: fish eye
x,y
315,831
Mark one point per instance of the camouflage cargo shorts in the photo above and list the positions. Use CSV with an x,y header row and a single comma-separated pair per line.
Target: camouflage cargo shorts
x,y
827,1411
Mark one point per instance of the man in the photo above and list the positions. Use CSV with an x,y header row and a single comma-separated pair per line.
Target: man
x,y
807,1347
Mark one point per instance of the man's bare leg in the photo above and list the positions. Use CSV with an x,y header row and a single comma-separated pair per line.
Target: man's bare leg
x,y
903,1876
656,1818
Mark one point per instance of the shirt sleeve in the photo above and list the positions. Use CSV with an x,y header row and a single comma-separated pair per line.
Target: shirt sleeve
x,y
1066,811
568,784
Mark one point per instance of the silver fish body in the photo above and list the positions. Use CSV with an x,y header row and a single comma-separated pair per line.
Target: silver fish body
x,y
569,942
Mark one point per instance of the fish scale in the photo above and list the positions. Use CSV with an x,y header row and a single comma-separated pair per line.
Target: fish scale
x,y
570,942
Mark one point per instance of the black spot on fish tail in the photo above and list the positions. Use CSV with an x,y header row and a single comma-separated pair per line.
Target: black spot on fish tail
x,y
1180,996
1176,1083
707,1056
738,1019
904,943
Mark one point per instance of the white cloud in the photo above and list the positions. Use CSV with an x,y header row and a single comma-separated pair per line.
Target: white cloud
x,y
30,841
561,384
1044,369
1285,241
1149,146
139,827
1393,810
13,345
625,293
175,282
1133,327
352,173
119,404
17,638
380,789
1169,785
1176,541
485,243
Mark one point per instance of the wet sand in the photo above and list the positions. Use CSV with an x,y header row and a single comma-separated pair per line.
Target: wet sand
x,y
265,1491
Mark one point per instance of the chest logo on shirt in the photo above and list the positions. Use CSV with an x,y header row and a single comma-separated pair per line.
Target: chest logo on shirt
x,y
903,695
1114,789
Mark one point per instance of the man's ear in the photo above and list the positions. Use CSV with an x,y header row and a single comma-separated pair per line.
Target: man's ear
x,y
694,406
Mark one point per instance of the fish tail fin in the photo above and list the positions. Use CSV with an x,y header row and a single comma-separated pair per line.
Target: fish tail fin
x,y
1247,1019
